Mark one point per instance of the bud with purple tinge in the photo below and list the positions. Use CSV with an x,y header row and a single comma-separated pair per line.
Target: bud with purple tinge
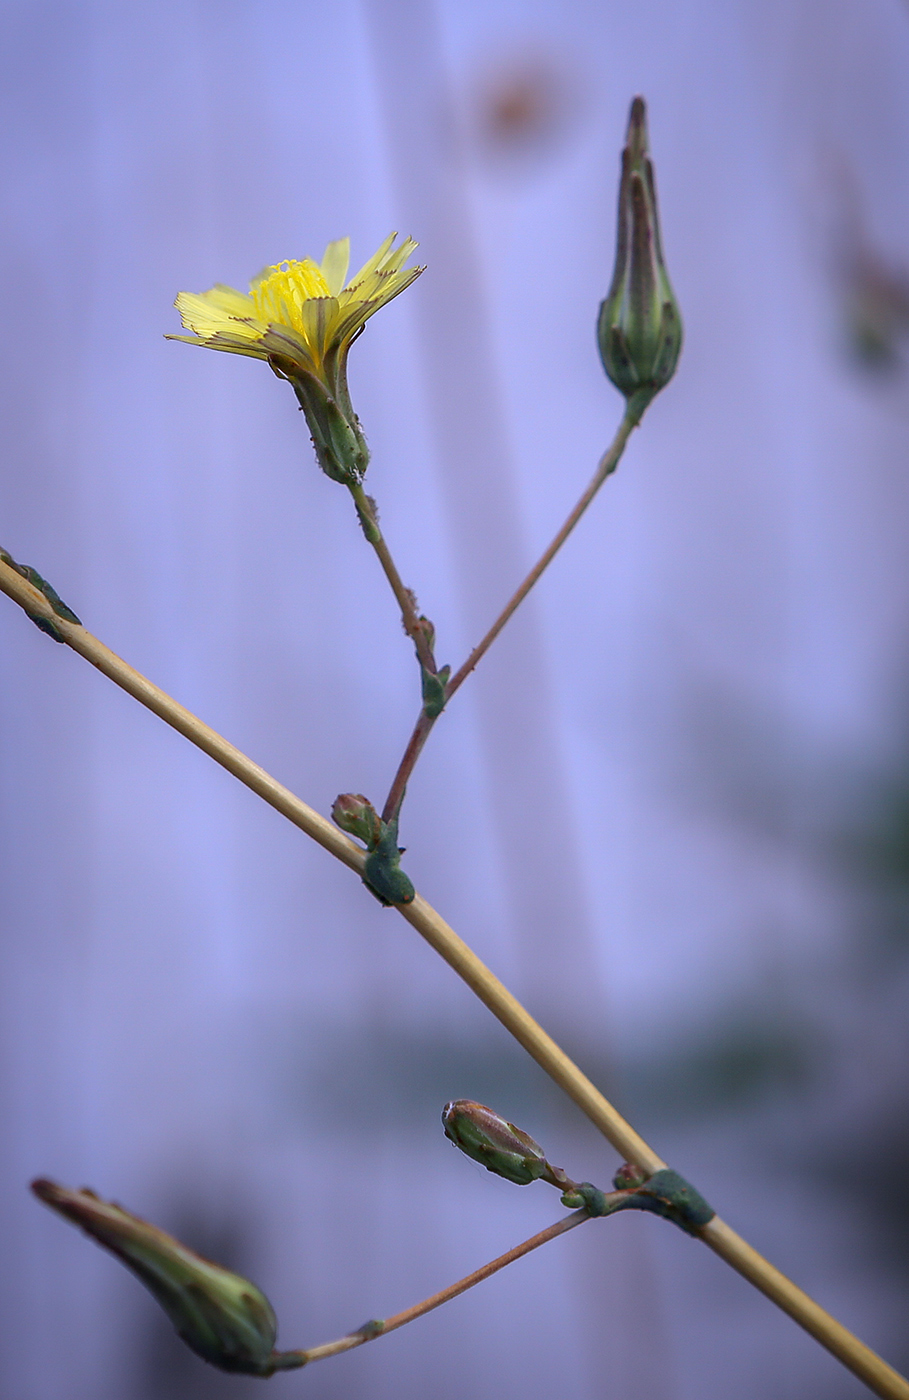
x,y
224,1318
629,1176
639,330
353,814
497,1144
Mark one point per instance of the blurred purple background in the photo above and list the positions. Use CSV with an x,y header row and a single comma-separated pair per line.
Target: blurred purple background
x,y
671,809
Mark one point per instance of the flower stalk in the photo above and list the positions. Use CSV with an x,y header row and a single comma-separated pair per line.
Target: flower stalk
x,y
301,318
414,625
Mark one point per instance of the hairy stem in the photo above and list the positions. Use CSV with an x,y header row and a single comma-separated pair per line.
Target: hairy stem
x,y
366,512
859,1359
607,465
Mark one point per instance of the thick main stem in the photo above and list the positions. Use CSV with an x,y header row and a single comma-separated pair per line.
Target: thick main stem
x,y
366,512
607,465
389,1324
859,1359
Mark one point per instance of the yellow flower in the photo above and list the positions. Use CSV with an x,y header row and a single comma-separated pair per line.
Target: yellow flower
x,y
299,312
302,319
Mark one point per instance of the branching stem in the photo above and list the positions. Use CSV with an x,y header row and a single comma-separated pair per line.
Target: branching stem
x,y
857,1357
423,728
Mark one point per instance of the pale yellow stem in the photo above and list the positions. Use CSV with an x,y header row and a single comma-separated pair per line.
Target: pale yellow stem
x,y
861,1360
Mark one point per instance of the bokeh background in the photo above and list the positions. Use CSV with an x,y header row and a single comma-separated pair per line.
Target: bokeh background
x,y
672,808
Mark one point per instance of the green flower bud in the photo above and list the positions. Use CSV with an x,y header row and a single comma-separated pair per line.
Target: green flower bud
x,y
639,330
353,814
629,1176
382,873
496,1144
591,1198
223,1317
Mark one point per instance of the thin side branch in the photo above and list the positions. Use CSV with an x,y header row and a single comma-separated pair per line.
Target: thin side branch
x,y
389,1324
607,465
857,1357
423,728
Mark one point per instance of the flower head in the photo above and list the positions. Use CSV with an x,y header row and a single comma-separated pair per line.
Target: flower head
x,y
302,319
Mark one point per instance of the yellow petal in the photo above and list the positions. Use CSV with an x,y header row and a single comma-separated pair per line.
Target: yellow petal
x,y
220,342
317,316
398,256
335,264
289,344
374,262
207,312
298,311
229,300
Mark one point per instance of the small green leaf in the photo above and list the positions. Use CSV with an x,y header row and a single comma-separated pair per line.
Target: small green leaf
x,y
382,873
434,691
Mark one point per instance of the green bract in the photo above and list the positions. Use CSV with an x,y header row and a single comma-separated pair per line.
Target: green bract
x,y
639,330
223,1317
493,1142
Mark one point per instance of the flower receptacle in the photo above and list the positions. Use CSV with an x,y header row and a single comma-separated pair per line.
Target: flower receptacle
x,y
337,437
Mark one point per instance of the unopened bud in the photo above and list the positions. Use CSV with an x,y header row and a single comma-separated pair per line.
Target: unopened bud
x,y
353,814
496,1144
629,1176
639,330
223,1317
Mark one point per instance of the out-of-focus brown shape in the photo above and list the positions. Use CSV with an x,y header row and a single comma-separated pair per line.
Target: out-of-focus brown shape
x,y
523,106
878,310
876,289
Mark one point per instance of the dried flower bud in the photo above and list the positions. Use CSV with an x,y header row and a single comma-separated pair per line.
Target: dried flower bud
x,y
353,814
639,329
223,1317
496,1144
